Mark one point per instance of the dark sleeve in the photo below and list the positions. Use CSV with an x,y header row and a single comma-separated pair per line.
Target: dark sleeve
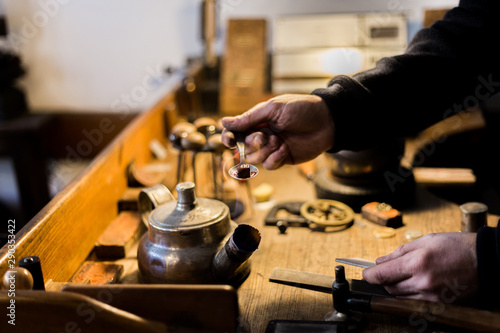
x,y
450,66
488,265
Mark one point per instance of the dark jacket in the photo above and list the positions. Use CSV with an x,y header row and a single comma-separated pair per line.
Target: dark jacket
x,y
448,67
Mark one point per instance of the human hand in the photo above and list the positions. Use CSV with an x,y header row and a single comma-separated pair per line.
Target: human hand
x,y
287,129
437,267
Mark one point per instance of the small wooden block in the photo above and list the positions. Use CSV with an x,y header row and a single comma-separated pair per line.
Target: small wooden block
x,y
119,236
98,273
383,214
129,199
58,286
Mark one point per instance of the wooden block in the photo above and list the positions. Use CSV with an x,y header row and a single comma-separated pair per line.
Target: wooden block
x,y
147,175
128,200
58,286
244,66
433,15
383,214
444,177
119,236
98,273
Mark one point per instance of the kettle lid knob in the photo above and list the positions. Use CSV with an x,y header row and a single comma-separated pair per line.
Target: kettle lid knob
x,y
186,196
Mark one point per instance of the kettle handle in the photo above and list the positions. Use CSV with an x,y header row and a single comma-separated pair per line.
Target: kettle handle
x,y
152,197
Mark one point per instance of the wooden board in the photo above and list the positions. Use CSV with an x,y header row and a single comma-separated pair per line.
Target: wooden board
x,y
244,66
63,234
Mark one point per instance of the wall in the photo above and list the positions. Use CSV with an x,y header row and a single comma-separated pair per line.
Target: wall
x,y
110,54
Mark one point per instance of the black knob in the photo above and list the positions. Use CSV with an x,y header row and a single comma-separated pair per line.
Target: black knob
x,y
33,265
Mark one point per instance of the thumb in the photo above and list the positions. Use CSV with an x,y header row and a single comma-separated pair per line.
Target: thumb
x,y
255,118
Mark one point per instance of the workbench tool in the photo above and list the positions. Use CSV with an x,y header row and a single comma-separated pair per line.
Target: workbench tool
x,y
193,142
347,298
217,148
358,262
288,212
322,283
179,131
358,177
17,278
324,213
206,126
34,266
318,215
474,216
383,214
243,170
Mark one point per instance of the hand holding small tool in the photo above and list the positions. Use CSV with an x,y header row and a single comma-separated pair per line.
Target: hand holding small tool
x,y
287,129
433,267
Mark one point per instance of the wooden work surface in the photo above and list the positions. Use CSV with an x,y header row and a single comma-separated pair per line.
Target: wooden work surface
x,y
302,249
64,232
305,250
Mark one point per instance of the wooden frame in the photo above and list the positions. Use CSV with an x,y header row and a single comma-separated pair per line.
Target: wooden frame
x,y
64,232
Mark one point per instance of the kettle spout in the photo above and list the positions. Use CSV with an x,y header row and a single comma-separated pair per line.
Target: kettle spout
x,y
231,264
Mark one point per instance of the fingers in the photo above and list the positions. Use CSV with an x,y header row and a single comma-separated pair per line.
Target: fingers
x,y
402,250
277,158
388,273
269,150
261,113
228,138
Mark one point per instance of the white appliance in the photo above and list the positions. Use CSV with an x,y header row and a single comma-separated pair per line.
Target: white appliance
x,y
309,50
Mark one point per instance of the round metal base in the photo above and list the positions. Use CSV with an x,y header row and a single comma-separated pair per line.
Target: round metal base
x,y
395,188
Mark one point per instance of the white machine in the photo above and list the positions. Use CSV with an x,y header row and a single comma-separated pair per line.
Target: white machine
x,y
309,50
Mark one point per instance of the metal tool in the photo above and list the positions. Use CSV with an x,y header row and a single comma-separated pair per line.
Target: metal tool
x,y
474,216
318,215
358,262
242,170
33,265
326,213
321,282
347,298
216,147
292,212
383,214
179,131
17,278
194,142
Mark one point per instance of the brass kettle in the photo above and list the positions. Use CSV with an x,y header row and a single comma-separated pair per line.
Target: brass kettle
x,y
192,240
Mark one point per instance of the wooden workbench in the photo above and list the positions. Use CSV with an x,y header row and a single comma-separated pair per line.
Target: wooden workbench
x,y
63,233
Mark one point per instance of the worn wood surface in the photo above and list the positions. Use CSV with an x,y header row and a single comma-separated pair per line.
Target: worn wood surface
x,y
64,232
302,249
305,250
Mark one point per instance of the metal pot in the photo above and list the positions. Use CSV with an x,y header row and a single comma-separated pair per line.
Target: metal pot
x,y
192,240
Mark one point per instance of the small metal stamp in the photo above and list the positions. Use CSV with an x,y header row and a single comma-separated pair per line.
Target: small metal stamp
x,y
474,216
282,226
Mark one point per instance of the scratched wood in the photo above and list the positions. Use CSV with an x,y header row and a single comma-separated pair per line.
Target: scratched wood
x,y
305,250
301,249
64,232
